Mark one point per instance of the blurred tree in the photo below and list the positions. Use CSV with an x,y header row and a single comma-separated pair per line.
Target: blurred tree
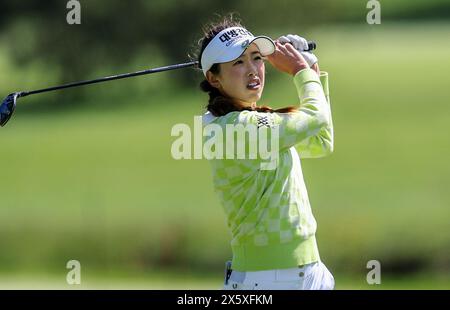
x,y
113,33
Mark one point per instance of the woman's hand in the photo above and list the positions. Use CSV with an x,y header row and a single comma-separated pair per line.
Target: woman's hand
x,y
287,59
301,44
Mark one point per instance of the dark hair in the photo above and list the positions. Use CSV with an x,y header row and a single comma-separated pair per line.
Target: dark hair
x,y
218,104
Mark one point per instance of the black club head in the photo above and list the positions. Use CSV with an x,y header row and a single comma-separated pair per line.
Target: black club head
x,y
7,108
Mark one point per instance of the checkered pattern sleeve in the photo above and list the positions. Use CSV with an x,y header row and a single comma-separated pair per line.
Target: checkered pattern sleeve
x,y
310,128
319,145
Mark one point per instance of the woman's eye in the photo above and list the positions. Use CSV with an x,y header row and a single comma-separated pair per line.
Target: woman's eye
x,y
240,61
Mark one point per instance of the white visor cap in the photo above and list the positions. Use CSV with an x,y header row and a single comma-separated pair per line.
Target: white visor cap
x,y
231,43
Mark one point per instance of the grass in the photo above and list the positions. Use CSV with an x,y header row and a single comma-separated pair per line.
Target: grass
x,y
101,186
182,280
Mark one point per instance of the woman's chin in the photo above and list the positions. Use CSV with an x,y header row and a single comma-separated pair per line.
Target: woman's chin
x,y
255,98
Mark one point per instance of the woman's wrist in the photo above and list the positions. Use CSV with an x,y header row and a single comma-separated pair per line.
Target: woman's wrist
x,y
298,68
315,67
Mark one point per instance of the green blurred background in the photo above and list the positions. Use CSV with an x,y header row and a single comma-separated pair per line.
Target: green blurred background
x,y
87,173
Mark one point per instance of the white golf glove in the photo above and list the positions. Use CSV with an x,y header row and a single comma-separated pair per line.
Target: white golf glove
x,y
300,44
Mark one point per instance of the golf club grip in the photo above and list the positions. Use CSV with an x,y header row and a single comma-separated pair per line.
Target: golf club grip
x,y
311,46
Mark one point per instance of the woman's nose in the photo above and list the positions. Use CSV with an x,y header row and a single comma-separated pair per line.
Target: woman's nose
x,y
252,69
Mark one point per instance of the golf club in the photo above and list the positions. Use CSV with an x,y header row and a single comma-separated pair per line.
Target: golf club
x,y
9,103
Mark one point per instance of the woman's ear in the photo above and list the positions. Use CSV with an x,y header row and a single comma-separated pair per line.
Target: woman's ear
x,y
212,79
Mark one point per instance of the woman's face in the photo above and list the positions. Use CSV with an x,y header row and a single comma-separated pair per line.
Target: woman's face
x,y
243,78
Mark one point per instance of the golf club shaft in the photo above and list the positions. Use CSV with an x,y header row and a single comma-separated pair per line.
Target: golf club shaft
x,y
110,78
311,44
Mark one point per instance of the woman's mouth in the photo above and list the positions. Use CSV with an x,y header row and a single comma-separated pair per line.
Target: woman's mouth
x,y
254,85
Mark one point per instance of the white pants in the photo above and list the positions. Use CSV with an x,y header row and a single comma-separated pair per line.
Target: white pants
x,y
313,276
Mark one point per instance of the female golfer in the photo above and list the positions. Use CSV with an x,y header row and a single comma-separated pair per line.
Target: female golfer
x,y
264,197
